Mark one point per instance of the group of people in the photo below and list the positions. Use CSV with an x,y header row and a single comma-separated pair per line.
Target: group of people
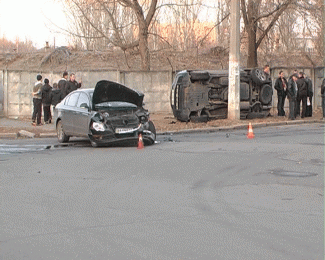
x,y
45,96
299,91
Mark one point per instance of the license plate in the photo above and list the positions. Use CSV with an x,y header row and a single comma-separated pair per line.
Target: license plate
x,y
124,130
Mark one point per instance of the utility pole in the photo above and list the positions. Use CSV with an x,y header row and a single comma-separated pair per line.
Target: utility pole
x,y
234,57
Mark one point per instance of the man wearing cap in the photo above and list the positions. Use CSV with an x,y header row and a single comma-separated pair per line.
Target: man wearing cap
x,y
37,101
292,96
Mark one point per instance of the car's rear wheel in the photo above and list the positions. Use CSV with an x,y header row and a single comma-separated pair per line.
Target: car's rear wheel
x,y
62,137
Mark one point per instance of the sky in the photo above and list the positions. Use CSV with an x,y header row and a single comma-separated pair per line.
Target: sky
x,y
35,20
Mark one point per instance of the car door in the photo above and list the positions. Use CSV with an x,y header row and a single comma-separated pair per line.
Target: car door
x,y
69,113
82,112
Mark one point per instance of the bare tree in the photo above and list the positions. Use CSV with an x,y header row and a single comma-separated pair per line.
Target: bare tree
x,y
252,15
114,20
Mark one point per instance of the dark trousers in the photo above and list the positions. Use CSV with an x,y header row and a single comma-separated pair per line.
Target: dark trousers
x,y
37,113
281,100
47,113
323,106
292,108
303,100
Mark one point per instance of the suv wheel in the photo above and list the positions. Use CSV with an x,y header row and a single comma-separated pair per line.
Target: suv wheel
x,y
258,76
266,94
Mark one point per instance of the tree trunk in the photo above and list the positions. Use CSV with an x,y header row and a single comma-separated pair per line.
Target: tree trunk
x,y
143,46
252,47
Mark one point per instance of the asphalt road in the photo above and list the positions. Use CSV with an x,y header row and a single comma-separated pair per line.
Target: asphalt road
x,y
194,196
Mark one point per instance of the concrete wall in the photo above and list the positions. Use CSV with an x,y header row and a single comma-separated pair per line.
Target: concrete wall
x,y
17,87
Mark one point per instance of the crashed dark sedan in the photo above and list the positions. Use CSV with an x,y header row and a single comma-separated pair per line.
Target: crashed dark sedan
x,y
109,113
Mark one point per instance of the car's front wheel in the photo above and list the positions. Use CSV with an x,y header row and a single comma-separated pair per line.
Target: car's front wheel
x,y
62,137
152,128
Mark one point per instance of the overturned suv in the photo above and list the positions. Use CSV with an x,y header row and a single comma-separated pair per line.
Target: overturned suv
x,y
110,113
200,95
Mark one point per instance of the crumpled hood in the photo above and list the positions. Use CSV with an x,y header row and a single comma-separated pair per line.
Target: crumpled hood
x,y
109,91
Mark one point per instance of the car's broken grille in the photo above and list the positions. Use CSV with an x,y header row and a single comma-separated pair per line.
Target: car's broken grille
x,y
124,122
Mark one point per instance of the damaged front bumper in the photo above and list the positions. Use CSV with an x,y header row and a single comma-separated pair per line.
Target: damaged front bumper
x,y
117,135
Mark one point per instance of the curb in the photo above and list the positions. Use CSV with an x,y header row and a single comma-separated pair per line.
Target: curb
x,y
244,126
23,133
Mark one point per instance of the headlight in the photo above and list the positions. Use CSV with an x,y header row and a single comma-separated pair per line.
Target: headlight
x,y
98,126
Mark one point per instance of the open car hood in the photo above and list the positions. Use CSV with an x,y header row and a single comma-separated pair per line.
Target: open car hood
x,y
108,91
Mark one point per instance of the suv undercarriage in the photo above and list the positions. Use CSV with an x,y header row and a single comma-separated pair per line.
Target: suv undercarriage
x,y
203,95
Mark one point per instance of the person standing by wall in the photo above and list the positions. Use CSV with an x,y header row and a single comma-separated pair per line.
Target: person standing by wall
x,y
301,95
292,96
266,70
37,101
47,100
281,87
56,95
73,84
323,97
310,93
63,84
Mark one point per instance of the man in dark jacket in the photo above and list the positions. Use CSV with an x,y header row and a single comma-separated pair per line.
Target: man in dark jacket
x,y
292,96
72,84
63,84
323,97
301,95
57,95
47,100
281,87
310,93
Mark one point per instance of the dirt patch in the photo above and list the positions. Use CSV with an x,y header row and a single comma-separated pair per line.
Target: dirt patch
x,y
164,122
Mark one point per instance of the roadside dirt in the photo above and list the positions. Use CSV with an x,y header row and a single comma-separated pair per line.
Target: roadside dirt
x,y
163,122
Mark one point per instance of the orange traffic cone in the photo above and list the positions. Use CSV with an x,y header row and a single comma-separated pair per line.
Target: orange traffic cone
x,y
250,134
140,142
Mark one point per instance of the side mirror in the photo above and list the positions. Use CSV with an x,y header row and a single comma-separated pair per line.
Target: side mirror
x,y
84,105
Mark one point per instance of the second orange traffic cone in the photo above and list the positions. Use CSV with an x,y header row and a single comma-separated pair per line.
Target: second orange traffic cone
x,y
140,142
250,134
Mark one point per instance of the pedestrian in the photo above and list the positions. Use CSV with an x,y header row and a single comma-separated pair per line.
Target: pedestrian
x,y
292,96
323,97
73,84
301,95
37,102
57,95
310,93
281,87
47,100
63,84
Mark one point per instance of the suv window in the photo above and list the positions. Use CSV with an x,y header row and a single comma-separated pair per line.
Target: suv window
x,y
83,98
73,99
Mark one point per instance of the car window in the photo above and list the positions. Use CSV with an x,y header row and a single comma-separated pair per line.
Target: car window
x,y
83,98
73,99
